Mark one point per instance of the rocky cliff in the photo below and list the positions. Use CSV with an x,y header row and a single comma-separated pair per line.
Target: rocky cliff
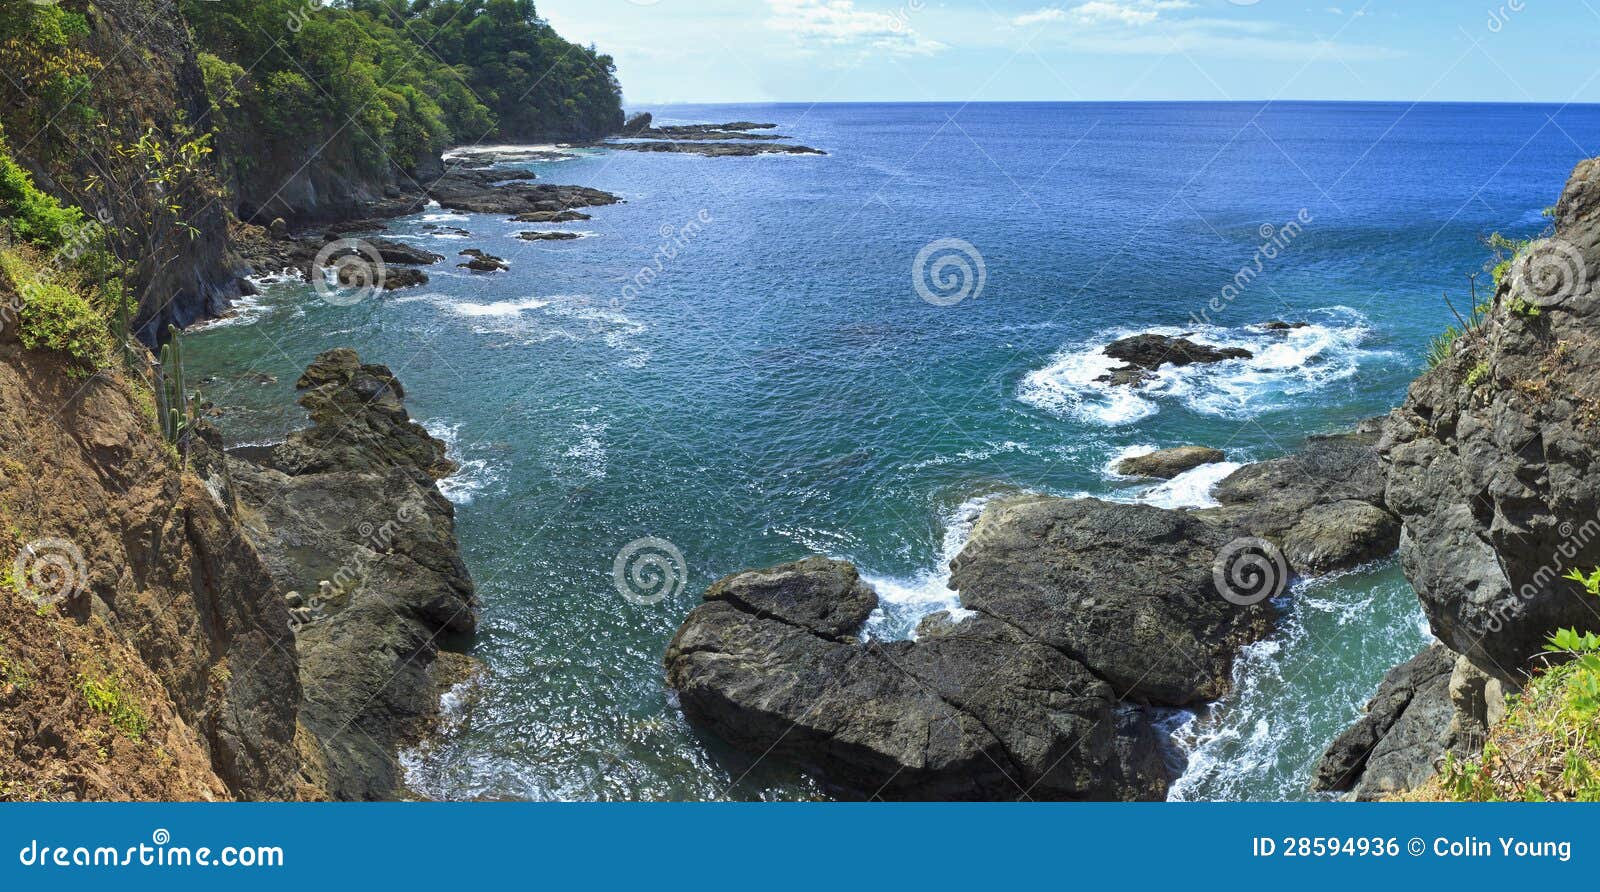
x,y
1492,468
354,531
179,624
145,652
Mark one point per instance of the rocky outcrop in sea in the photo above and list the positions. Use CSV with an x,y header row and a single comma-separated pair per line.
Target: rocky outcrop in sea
x,y
348,517
1080,619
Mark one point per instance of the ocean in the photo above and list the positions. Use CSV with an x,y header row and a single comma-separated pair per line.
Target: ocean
x,y
759,359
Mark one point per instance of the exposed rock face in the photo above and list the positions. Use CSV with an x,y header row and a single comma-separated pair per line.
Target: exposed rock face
x,y
166,604
1323,505
348,516
548,236
1166,464
551,217
1493,458
984,713
509,192
1491,468
482,262
1125,589
1152,351
1435,704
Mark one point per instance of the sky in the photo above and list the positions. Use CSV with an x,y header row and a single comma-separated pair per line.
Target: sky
x,y
1092,50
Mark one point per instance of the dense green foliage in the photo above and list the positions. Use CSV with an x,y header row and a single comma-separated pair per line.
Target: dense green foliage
x,y
46,73
28,214
54,315
393,82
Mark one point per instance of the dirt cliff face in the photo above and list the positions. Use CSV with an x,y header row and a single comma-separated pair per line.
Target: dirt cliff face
x,y
143,651
1493,457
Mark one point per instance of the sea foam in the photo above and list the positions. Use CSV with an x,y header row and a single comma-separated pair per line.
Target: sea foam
x,y
1286,365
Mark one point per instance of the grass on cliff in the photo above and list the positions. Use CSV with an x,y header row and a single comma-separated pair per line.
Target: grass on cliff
x,y
1503,253
51,314
106,696
1548,747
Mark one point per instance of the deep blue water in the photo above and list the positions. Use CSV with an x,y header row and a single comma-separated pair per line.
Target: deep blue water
x,y
779,387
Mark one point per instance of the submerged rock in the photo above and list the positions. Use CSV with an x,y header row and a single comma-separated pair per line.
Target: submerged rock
x,y
1166,464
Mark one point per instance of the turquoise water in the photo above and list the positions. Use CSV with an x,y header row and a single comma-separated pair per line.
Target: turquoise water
x,y
777,386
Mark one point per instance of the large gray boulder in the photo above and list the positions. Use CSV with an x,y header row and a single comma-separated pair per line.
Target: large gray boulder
x,y
1127,590
1324,505
982,713
1080,605
1165,464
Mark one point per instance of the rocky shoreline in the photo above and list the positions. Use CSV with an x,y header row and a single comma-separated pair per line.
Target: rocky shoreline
x,y
348,518
1080,619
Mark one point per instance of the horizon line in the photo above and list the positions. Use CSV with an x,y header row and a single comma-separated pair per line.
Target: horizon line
x,y
1407,102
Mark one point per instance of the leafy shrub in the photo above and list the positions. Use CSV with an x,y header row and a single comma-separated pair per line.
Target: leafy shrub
x,y
31,215
1548,747
54,317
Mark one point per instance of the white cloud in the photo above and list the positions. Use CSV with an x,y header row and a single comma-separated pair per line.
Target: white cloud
x,y
1125,12
1039,17
839,23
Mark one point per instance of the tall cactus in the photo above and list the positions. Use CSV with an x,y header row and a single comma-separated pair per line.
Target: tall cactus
x,y
177,413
